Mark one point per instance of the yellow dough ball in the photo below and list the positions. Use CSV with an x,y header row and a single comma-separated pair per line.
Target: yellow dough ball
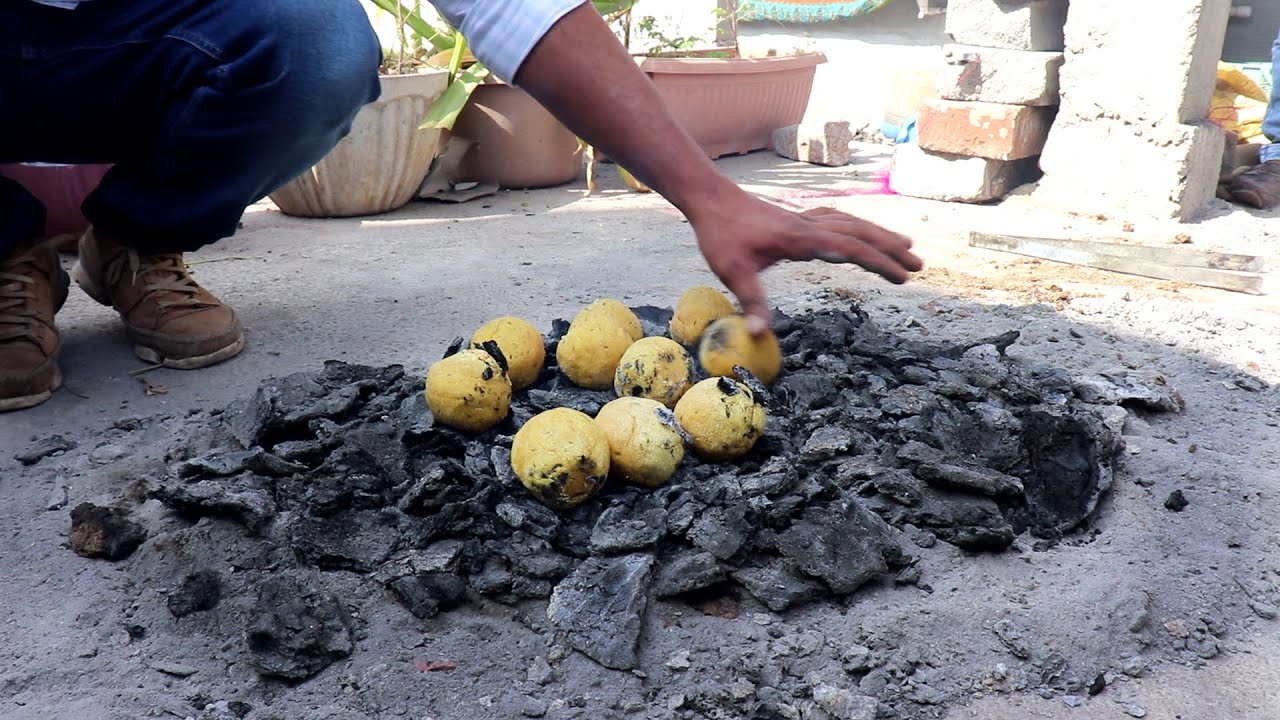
x,y
657,368
697,308
589,352
521,344
723,417
561,456
469,390
645,443
726,343
619,314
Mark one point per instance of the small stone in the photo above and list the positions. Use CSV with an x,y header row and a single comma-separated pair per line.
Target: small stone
x,y
1012,639
825,144
1266,611
103,532
679,660
1133,666
843,704
1073,701
57,498
600,606
1177,629
539,671
857,658
52,445
1176,501
534,708
761,619
1135,709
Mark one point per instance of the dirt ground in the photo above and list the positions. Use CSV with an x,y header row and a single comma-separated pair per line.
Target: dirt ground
x,y
1165,614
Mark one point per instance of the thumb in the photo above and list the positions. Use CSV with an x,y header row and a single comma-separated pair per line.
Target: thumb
x,y
751,296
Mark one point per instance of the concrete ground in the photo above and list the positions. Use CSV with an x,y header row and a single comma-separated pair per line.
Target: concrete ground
x,y
397,288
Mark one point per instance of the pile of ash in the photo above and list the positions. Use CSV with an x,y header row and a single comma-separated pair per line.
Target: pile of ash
x,y
875,445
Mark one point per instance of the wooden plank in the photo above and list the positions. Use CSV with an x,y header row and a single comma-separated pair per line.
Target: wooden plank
x,y
1073,254
1167,255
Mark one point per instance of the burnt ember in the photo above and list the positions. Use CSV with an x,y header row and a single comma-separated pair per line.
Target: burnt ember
x,y
868,435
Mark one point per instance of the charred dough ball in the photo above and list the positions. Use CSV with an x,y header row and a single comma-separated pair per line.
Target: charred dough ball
x,y
645,444
657,368
727,343
561,456
589,352
522,345
468,391
723,418
619,314
697,308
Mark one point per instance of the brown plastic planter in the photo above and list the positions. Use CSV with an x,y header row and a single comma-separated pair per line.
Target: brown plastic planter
x,y
733,105
518,144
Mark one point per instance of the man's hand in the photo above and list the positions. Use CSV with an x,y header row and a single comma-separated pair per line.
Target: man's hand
x,y
583,75
744,235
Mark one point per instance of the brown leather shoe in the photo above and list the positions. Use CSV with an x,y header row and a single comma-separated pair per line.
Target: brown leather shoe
x,y
172,321
33,287
1259,186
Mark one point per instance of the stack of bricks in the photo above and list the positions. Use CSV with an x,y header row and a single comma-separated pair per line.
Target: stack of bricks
x,y
998,95
1132,135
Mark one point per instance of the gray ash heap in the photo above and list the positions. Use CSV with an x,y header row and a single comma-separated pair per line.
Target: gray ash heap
x,y
874,444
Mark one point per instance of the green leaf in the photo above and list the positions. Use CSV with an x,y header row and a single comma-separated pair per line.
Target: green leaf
x,y
440,39
444,112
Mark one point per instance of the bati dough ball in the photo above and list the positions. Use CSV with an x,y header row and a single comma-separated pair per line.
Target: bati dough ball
x,y
723,418
697,308
656,368
727,343
522,345
645,444
561,456
616,312
589,352
469,391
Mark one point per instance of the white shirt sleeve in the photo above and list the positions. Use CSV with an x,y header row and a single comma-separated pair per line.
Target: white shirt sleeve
x,y
502,33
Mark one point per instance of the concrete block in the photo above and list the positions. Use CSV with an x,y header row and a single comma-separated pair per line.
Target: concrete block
x,y
919,173
1012,24
1115,168
1014,77
982,129
1134,62
820,144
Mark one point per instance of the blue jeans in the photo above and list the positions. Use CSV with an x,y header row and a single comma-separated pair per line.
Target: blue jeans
x,y
1271,122
203,106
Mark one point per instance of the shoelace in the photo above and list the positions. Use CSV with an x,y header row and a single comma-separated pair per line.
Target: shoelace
x,y
159,273
18,313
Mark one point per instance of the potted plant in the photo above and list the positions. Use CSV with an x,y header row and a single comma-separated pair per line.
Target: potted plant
x,y
730,104
381,163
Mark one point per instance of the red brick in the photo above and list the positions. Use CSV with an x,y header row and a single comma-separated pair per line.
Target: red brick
x,y
982,129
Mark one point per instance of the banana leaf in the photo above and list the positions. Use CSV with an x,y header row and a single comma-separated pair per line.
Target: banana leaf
x,y
444,112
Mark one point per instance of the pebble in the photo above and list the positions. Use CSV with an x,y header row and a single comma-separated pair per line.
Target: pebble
x,y
679,660
174,669
57,499
761,619
1263,610
534,708
1072,700
539,671
1133,666
1135,709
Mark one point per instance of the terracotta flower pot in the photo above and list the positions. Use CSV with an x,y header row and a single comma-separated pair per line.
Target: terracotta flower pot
x,y
733,105
61,188
518,144
380,165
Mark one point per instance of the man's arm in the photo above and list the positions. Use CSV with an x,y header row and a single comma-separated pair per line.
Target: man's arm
x,y
584,76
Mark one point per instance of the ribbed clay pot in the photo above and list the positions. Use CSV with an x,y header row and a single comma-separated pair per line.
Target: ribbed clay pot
x,y
380,165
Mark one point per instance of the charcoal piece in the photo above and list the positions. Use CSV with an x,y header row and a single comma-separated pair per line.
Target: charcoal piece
x,y
574,398
900,485
981,480
199,591
414,416
104,532
804,391
1070,456
218,464
721,531
908,400
493,579
826,443
272,465
530,517
628,526
654,321
443,483
917,375
687,572
1177,501
777,585
296,630
51,445
356,540
246,499
844,544
533,557
527,588
967,521
1147,391
777,475
600,606
428,594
